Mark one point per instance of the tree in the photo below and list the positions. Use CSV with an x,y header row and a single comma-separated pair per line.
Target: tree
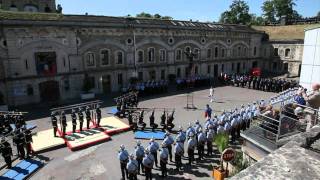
x,y
257,20
156,16
269,11
238,13
277,8
144,15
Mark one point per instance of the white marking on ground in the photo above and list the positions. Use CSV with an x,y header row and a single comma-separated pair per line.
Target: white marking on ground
x,y
81,154
97,169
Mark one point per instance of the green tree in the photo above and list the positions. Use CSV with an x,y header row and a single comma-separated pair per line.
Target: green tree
x,y
222,141
269,11
157,16
167,18
275,9
237,14
144,15
257,20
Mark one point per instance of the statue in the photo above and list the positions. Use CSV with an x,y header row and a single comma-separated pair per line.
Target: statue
x,y
59,9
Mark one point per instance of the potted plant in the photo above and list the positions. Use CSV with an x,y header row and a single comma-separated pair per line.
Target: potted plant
x,y
87,86
221,140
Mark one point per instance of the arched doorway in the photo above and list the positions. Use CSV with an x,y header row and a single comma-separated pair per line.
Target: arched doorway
x,y
49,91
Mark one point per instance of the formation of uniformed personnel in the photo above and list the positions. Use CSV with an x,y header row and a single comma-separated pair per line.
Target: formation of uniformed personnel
x,y
168,141
197,81
178,153
74,120
132,168
209,136
54,122
263,84
63,123
151,87
153,148
98,112
139,152
128,100
88,116
164,154
123,156
81,118
148,162
6,152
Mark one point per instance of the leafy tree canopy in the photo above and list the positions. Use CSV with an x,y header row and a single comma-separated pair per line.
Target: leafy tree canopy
x,y
275,9
237,14
155,16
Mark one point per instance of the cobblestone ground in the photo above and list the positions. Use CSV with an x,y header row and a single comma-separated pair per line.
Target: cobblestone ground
x,y
100,161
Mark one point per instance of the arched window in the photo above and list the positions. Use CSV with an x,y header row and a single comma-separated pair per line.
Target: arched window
x,y
151,54
255,51
119,56
287,52
90,59
162,55
245,52
223,51
105,57
30,8
178,54
140,56
216,52
208,53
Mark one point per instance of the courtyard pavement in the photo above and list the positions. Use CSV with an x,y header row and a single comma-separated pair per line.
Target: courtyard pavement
x,y
100,161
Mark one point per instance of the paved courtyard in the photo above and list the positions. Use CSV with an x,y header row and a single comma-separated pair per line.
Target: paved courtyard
x,y
100,161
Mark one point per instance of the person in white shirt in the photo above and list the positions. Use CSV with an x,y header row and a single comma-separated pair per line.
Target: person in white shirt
x,y
211,91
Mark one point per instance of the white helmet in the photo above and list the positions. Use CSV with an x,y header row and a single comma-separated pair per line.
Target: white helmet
x,y
122,147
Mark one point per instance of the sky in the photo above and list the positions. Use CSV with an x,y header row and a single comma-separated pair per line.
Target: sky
x,y
202,10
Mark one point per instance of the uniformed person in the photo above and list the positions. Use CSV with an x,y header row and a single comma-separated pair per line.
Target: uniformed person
x,y
98,112
54,122
140,122
181,137
123,156
139,152
88,117
153,148
170,119
80,116
190,131
168,141
20,143
191,146
132,168
28,140
147,162
164,153
178,153
64,123
6,152
201,143
74,120
163,121
153,125
233,129
209,137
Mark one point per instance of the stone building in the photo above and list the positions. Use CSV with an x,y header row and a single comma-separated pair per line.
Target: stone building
x,y
29,5
44,57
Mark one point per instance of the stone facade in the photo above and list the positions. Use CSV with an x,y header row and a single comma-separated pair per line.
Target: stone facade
x,y
29,5
285,56
54,56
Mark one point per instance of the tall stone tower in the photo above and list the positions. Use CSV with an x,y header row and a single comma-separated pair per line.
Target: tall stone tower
x,y
29,5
